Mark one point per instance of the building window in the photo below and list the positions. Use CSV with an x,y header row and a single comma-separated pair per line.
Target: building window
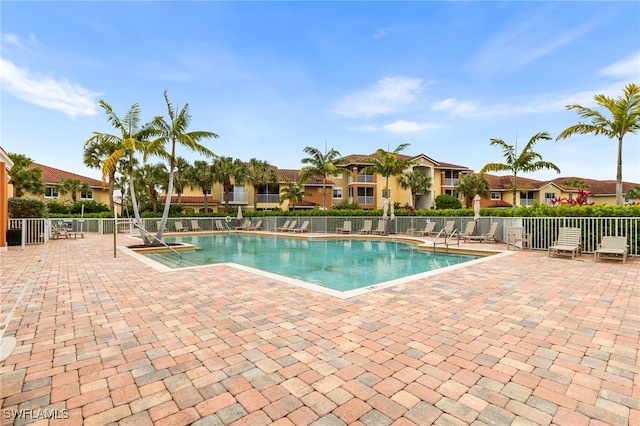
x,y
51,192
548,196
526,198
451,177
337,193
365,195
86,195
237,194
496,196
268,193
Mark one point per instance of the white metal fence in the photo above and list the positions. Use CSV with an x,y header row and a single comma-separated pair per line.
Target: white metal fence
x,y
543,230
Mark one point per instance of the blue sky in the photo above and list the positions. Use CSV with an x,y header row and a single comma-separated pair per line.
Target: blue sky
x,y
274,77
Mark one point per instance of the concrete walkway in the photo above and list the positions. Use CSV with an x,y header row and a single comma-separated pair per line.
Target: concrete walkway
x,y
523,340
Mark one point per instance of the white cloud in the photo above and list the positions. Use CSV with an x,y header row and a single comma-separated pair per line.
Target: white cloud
x,y
455,107
47,92
403,126
628,68
386,96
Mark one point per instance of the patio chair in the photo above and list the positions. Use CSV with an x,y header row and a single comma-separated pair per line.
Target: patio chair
x,y
219,225
469,229
345,229
194,225
366,227
382,227
303,228
179,228
567,244
487,237
428,230
158,223
614,248
58,231
245,225
291,227
284,227
256,227
515,235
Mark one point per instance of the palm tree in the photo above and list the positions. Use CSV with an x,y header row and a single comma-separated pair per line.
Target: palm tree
x,y
295,193
387,164
470,186
527,161
181,177
226,169
625,118
132,139
23,177
259,172
415,180
95,154
172,133
201,175
153,177
73,186
323,165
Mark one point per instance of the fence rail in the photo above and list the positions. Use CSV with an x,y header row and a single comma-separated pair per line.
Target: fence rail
x,y
543,230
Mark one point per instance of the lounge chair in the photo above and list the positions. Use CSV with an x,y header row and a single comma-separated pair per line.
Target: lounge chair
x,y
487,237
291,227
448,228
382,227
469,229
284,227
158,223
303,228
428,230
345,229
256,227
245,225
612,248
219,225
515,235
366,227
178,227
567,244
58,231
194,225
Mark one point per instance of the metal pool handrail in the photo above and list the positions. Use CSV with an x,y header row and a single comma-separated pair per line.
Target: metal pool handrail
x,y
136,225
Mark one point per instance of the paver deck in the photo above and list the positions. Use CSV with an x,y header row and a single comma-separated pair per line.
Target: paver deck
x,y
525,339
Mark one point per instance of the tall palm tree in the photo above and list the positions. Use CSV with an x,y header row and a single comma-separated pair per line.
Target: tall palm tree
x,y
73,186
625,118
470,186
95,154
415,180
387,164
294,193
175,132
527,161
259,172
201,175
131,140
324,165
23,177
226,169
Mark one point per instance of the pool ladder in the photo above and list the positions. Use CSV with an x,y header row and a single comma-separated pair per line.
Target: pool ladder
x,y
447,238
136,225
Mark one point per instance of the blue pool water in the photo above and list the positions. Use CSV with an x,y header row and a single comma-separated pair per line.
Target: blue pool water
x,y
341,265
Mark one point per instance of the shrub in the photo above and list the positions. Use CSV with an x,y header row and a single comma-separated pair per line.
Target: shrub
x,y
57,207
20,207
446,201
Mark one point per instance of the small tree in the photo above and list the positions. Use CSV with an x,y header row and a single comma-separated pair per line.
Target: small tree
x,y
23,177
446,201
73,186
323,165
294,193
470,186
387,164
26,207
416,181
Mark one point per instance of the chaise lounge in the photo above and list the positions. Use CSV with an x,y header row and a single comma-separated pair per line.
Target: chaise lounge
x,y
614,248
567,244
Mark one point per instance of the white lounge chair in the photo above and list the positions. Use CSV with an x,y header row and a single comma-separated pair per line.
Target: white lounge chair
x,y
515,235
382,227
194,225
487,237
245,225
291,227
179,228
256,227
219,225
428,230
567,244
303,228
345,229
366,227
58,230
469,229
612,248
284,227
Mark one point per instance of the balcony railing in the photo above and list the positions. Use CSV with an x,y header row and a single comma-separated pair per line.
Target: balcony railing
x,y
451,181
362,179
237,197
268,198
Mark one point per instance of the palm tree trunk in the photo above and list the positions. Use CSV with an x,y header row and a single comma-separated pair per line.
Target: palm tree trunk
x,y
136,212
619,199
167,205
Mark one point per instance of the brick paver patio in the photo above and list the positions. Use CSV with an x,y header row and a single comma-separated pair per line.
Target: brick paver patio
x,y
523,340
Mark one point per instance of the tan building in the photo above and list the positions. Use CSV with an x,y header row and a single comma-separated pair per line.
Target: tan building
x,y
5,190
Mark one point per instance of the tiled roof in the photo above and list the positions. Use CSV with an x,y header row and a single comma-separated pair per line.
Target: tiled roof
x,y
51,175
293,175
597,187
190,199
361,159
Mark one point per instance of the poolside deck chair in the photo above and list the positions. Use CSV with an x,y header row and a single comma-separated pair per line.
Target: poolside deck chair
x,y
245,225
567,244
219,225
515,235
487,237
428,230
615,248
469,229
291,227
158,223
256,227
194,225
179,228
366,227
303,228
284,227
382,227
58,231
345,229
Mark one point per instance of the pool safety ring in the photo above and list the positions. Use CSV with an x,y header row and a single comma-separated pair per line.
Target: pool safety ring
x,y
227,219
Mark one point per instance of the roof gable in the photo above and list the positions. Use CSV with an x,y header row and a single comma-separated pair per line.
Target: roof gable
x,y
51,175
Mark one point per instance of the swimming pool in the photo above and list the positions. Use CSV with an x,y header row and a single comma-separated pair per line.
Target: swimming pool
x,y
337,264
